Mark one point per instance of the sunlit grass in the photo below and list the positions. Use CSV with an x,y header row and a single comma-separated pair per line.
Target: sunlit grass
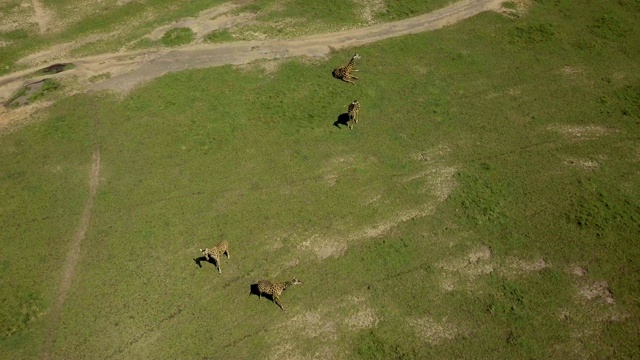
x,y
514,138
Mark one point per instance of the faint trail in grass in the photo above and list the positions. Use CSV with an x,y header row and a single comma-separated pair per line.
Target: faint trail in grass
x,y
73,256
118,352
42,16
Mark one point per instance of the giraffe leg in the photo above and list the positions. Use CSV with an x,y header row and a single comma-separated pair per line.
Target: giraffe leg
x,y
276,299
228,256
217,259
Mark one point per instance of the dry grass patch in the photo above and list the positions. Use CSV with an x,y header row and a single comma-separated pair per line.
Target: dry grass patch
x,y
578,270
268,66
515,266
14,119
598,289
216,18
333,167
438,184
367,9
515,8
586,164
578,132
372,199
432,331
18,17
42,16
333,246
62,51
433,154
461,271
322,327
571,70
324,247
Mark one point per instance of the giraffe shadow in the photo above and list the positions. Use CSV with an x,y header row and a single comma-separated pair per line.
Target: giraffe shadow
x,y
343,119
253,290
201,259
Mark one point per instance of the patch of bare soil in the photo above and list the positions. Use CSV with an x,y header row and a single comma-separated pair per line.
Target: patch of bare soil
x,y
24,99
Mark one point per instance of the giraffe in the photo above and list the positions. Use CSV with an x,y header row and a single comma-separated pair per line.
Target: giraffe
x,y
275,289
215,253
344,73
353,110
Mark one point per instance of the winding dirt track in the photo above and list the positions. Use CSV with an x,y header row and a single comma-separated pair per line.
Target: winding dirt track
x,y
130,69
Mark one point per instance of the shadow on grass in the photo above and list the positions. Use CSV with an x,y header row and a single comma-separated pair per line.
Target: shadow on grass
x,y
201,259
253,290
343,119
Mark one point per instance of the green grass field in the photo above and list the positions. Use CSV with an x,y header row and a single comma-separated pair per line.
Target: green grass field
x,y
485,206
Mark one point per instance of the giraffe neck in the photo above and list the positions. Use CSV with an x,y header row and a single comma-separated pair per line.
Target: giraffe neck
x,y
350,64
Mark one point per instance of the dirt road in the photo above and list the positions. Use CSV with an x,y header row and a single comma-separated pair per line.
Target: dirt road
x,y
130,69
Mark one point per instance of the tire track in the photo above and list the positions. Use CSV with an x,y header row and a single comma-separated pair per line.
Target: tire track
x,y
73,256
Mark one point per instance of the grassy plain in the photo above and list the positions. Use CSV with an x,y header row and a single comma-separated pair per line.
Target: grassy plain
x,y
485,206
